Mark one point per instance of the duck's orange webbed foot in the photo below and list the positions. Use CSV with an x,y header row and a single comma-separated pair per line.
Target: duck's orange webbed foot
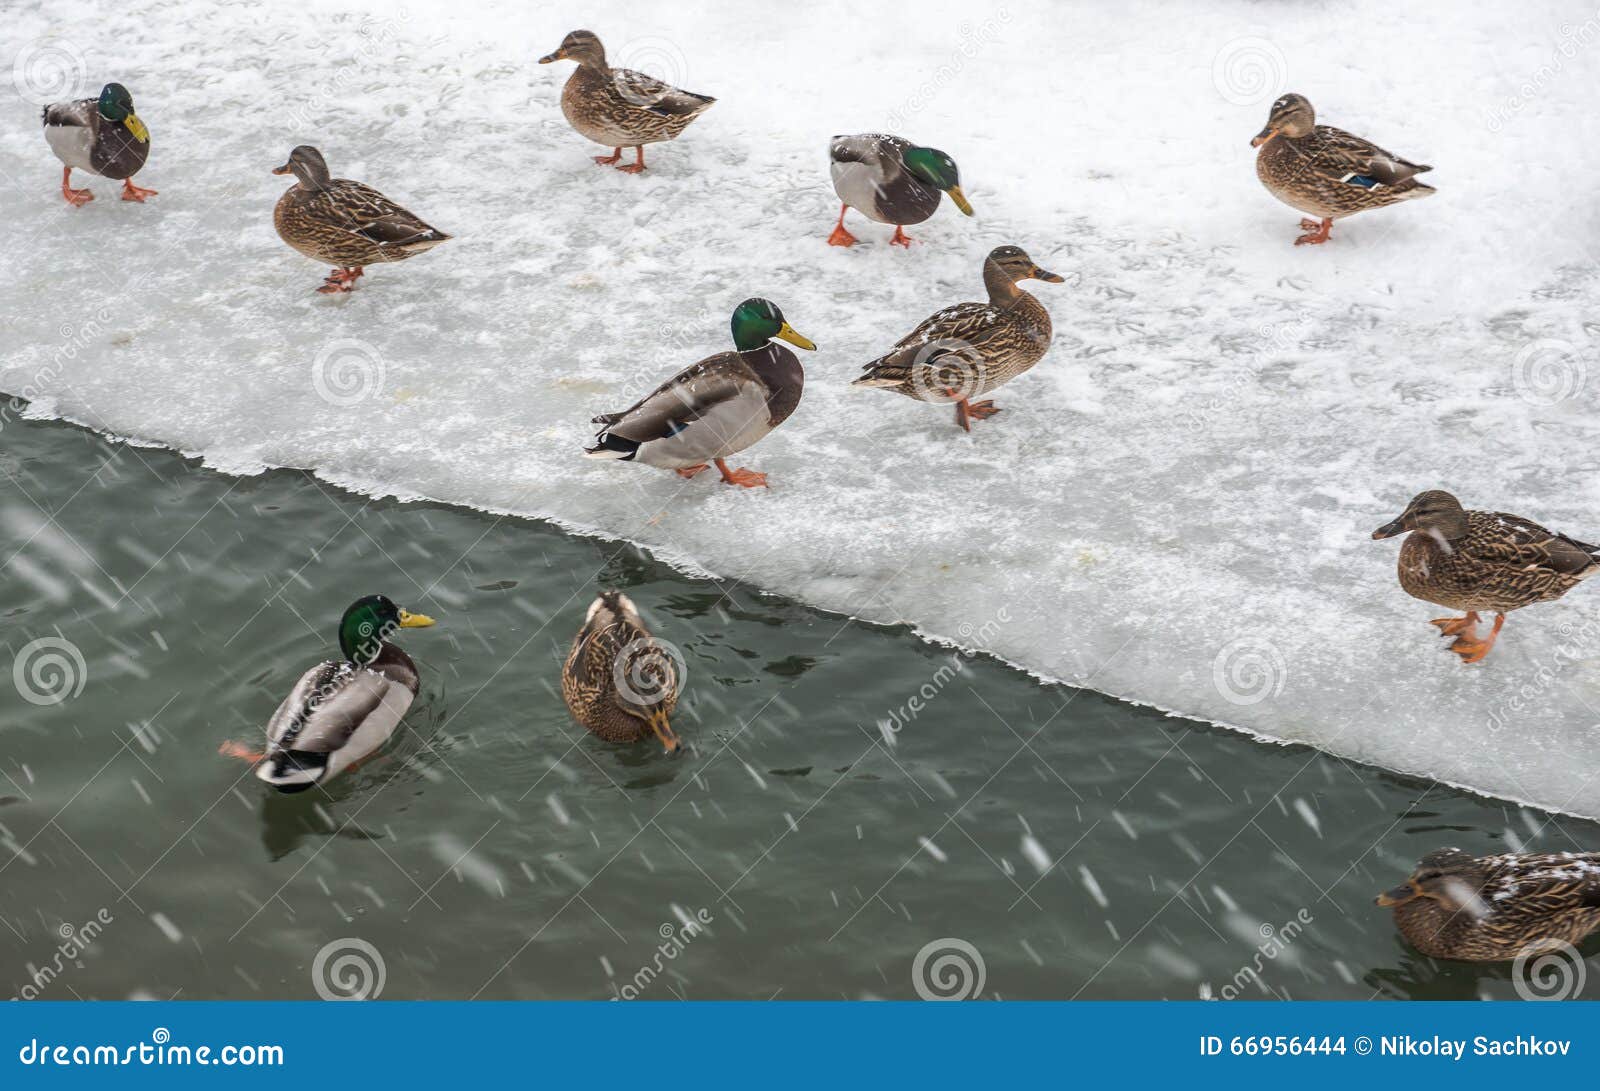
x,y
77,198
1455,626
131,192
840,236
982,410
637,165
607,160
901,238
232,749
690,471
1316,233
340,280
746,479
1471,649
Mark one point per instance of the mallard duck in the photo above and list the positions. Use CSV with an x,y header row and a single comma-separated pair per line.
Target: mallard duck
x,y
102,136
344,223
1326,171
971,348
619,681
342,710
1481,560
891,180
618,106
1490,908
717,407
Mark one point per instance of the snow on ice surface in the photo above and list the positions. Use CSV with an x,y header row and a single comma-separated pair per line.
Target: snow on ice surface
x,y
1175,505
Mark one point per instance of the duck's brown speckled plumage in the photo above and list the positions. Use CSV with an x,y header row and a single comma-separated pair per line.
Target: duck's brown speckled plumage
x,y
971,348
345,223
1493,908
1327,172
614,645
618,106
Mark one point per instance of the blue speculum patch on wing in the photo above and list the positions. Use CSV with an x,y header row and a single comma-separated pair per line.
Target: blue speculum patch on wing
x,y
1361,180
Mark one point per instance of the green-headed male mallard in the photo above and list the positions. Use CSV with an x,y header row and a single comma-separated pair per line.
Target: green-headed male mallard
x,y
344,223
891,180
971,348
1328,172
102,136
717,407
1491,908
342,710
1481,560
618,106
619,681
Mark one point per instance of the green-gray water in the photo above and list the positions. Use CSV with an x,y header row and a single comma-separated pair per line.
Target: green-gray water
x,y
1080,846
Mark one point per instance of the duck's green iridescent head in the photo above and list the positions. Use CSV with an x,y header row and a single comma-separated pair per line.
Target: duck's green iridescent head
x,y
939,171
370,621
757,321
116,105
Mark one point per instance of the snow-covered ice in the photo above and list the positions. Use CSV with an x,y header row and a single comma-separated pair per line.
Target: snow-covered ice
x,y
1175,505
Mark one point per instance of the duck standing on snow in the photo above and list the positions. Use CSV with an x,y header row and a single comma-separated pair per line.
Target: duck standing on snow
x,y
971,348
341,711
618,106
1492,908
619,682
102,136
1480,560
717,407
891,180
1328,172
344,223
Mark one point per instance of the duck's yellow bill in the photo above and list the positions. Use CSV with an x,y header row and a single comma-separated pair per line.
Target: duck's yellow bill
x,y
960,199
136,127
414,621
794,337
663,731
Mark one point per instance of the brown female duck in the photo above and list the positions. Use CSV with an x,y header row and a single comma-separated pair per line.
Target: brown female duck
x,y
1491,908
344,223
618,106
971,348
1328,172
619,681
1480,560
102,136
